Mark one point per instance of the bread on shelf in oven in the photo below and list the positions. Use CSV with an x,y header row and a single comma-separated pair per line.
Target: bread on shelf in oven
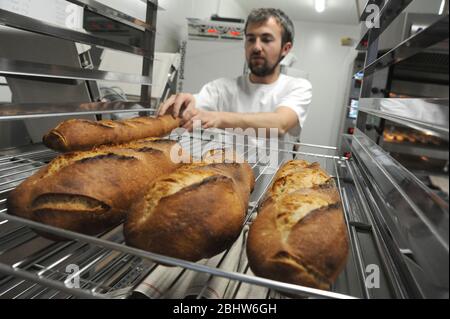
x,y
299,235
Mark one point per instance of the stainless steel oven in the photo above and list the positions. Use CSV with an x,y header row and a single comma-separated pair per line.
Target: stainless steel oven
x,y
397,224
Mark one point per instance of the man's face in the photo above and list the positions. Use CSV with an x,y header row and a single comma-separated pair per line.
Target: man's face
x,y
263,49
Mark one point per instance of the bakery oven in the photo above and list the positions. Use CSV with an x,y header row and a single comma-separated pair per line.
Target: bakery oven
x,y
396,223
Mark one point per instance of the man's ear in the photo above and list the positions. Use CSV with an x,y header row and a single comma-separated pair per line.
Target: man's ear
x,y
286,48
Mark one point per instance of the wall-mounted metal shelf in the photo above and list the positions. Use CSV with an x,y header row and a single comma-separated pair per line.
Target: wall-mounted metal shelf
x,y
74,71
111,13
18,21
410,218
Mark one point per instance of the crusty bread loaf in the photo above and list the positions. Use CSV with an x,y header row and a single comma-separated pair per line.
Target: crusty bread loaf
x,y
89,192
81,135
194,213
299,235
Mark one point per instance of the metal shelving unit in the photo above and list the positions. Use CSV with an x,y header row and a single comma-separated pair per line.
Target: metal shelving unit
x,y
33,70
411,219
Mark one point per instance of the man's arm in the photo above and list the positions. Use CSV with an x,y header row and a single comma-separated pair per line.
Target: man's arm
x,y
283,119
183,105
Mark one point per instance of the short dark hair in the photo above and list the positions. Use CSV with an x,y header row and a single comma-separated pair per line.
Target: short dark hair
x,y
263,14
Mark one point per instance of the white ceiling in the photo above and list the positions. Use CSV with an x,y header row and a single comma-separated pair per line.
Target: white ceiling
x,y
337,11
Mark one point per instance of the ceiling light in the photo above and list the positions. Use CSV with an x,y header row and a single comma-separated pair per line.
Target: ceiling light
x,y
320,5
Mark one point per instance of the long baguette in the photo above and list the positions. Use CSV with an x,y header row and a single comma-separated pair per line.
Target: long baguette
x,y
81,135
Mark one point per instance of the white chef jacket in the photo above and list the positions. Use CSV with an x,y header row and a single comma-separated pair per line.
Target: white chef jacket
x,y
242,96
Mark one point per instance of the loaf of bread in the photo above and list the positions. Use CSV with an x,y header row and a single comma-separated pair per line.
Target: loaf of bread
x,y
81,135
90,192
194,213
299,235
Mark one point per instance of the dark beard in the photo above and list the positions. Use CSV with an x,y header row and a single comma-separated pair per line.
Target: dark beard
x,y
265,69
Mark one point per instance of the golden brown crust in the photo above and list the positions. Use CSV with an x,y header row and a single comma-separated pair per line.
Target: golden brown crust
x,y
188,224
299,235
296,175
80,135
195,212
89,192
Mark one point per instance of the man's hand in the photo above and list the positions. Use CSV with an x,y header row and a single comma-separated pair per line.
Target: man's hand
x,y
179,105
208,119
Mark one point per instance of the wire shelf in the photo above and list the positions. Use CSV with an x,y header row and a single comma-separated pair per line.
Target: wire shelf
x,y
34,267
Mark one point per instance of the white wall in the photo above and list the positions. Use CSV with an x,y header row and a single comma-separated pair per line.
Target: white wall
x,y
317,47
201,62
171,22
171,27
319,52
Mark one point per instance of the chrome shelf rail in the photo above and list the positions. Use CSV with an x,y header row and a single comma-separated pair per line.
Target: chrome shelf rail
x,y
427,115
44,110
41,70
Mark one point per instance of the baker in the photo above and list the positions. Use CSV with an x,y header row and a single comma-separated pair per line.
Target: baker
x,y
265,98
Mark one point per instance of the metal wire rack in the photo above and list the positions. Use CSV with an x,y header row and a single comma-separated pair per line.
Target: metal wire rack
x,y
34,267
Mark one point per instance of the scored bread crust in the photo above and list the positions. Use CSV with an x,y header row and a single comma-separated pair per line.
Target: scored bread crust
x,y
195,212
296,175
89,192
81,134
299,235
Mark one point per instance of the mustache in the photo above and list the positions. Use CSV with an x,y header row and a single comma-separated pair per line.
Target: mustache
x,y
257,57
